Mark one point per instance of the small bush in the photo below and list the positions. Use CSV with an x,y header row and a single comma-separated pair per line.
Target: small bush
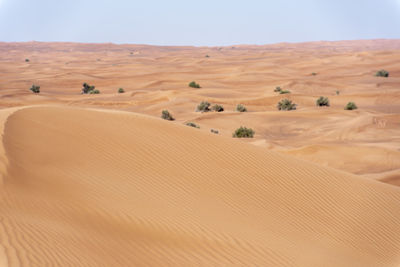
x,y
241,108
350,106
286,104
322,101
35,89
88,88
121,90
284,92
243,132
382,73
337,92
166,115
314,73
214,131
207,56
277,89
194,85
94,92
192,124
203,107
26,59
217,108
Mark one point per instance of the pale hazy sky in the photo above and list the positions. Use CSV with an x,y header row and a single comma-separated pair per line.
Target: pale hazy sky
x,y
203,22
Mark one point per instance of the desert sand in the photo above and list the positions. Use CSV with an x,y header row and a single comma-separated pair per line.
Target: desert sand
x,y
102,180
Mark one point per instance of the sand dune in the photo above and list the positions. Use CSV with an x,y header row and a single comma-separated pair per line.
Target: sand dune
x,y
87,187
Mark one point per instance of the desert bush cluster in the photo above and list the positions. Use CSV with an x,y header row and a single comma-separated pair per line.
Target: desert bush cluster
x,y
382,73
322,101
243,132
192,124
193,84
350,106
89,89
286,104
121,90
241,108
166,115
35,89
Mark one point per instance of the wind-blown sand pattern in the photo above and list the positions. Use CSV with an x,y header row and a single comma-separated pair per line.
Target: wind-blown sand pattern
x,y
88,181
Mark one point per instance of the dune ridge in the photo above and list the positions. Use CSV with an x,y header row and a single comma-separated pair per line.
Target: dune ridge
x,y
88,187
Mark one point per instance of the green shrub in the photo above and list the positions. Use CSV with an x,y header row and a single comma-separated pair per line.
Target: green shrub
x,y
192,124
284,92
286,104
277,89
94,92
88,88
166,115
121,90
217,108
382,73
322,101
204,106
214,131
241,108
243,132
26,59
350,106
35,89
194,85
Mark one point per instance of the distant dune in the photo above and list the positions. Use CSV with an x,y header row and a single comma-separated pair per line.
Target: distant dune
x,y
102,180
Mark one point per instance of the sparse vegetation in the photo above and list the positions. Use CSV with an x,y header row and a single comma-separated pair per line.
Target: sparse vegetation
x,y
243,132
217,108
88,88
284,92
277,89
322,101
241,108
26,59
214,131
204,106
166,115
286,104
121,90
192,124
94,92
35,89
350,106
193,84
382,73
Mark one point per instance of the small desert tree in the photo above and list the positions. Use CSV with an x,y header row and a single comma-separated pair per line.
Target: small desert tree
x,y
241,108
382,73
350,106
166,115
243,132
286,104
35,89
217,108
193,84
322,101
204,106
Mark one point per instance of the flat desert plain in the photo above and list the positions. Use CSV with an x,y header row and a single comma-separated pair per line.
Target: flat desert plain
x,y
102,180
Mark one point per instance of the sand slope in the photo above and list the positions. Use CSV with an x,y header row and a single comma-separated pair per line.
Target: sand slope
x,y
86,187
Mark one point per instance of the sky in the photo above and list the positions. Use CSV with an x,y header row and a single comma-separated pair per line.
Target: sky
x,y
199,23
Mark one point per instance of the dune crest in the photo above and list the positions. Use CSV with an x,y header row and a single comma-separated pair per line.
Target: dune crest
x,y
86,187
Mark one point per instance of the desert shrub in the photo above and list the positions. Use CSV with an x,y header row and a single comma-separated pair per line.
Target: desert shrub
x,y
241,108
322,101
382,73
26,59
204,106
94,92
194,85
350,106
314,73
243,132
121,90
217,108
192,124
207,56
286,104
214,131
35,89
284,92
166,115
88,88
337,92
277,89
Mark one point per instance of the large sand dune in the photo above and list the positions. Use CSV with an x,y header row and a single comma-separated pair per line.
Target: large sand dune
x,y
101,180
87,187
